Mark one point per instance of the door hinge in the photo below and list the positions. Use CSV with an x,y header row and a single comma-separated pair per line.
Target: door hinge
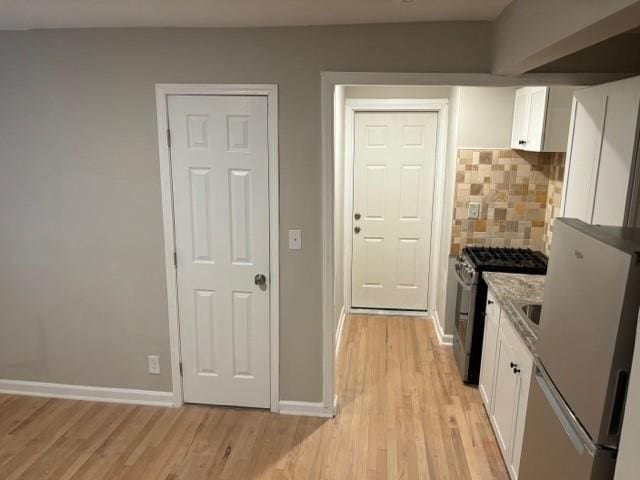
x,y
169,138
175,259
180,365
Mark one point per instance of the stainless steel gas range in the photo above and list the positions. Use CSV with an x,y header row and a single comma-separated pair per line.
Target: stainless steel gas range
x,y
472,296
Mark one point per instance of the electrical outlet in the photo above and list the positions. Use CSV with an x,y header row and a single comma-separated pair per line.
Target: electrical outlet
x,y
154,364
474,209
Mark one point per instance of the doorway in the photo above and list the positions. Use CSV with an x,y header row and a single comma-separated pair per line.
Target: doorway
x,y
220,158
393,157
394,165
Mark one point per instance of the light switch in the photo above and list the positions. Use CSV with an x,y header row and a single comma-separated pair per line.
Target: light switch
x,y
154,364
295,239
474,209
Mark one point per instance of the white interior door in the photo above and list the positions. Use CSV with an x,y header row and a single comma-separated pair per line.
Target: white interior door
x,y
394,168
219,161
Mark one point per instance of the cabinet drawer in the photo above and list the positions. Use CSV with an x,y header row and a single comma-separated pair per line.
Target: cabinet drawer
x,y
492,310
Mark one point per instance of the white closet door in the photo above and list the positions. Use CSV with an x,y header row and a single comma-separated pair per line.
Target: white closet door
x,y
394,168
219,161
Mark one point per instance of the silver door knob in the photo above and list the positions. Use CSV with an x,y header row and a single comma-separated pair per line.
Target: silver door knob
x,y
260,280
356,229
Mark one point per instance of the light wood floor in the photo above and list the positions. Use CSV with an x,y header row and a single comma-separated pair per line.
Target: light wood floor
x,y
404,414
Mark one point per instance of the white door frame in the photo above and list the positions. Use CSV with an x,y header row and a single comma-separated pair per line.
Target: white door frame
x,y
352,106
163,90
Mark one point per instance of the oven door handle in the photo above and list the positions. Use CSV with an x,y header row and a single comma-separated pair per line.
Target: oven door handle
x,y
461,282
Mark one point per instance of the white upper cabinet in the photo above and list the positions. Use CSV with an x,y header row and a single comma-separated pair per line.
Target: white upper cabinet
x,y
541,119
600,186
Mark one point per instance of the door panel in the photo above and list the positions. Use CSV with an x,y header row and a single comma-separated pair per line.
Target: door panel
x,y
375,190
394,169
520,113
583,154
507,384
536,118
219,161
616,157
489,352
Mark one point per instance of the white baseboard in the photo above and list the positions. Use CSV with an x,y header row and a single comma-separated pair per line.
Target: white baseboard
x,y
82,392
443,339
308,409
390,313
341,320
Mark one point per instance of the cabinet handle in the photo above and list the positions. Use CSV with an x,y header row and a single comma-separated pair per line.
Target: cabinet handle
x,y
516,370
513,365
489,302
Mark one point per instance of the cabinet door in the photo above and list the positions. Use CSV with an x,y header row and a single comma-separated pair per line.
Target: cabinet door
x,y
600,156
506,390
536,117
520,114
582,155
524,369
489,344
519,421
617,155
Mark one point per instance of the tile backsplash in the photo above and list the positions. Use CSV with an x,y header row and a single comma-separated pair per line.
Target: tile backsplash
x,y
519,194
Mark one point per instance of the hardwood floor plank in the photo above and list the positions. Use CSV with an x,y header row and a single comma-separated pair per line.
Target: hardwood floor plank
x,y
403,414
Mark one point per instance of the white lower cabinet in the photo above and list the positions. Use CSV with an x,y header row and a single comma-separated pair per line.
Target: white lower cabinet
x,y
505,373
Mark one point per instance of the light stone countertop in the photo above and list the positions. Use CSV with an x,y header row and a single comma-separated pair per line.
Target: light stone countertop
x,y
512,290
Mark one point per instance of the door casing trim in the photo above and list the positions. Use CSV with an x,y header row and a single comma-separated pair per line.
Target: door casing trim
x,y
270,91
352,106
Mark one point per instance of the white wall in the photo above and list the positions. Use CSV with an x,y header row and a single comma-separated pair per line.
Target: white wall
x,y
486,116
338,218
443,307
479,117
397,91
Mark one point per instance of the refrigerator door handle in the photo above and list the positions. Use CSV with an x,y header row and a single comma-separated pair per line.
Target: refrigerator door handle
x,y
579,438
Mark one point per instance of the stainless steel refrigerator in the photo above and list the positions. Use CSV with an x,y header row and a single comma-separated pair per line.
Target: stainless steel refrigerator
x,y
585,347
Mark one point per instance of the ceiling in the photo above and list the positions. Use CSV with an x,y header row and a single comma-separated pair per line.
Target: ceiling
x,y
24,14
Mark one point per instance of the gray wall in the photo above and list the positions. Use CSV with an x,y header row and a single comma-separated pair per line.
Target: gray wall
x,y
83,288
